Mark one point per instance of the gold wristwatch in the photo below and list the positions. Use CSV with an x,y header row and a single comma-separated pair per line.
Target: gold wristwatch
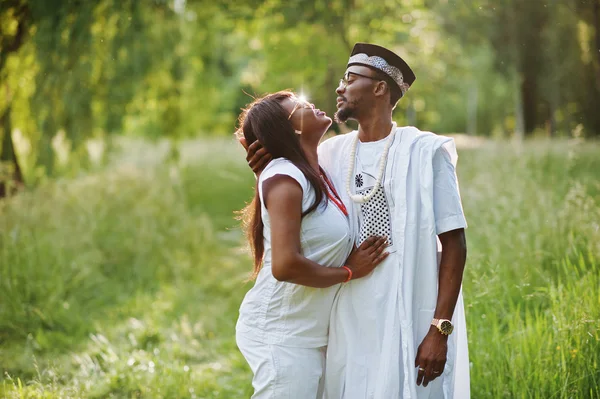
x,y
443,325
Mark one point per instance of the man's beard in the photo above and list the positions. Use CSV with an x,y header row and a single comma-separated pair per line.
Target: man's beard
x,y
343,114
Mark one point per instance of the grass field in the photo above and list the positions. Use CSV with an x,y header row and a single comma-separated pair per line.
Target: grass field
x,y
126,283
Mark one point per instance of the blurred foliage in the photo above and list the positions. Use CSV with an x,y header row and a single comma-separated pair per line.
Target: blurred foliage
x,y
73,70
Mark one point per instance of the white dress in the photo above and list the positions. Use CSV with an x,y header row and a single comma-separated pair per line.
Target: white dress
x,y
378,322
283,328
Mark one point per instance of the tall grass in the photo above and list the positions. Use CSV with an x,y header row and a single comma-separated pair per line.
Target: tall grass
x,y
127,283
532,282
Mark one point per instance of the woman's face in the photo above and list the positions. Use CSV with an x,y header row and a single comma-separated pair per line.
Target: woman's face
x,y
305,118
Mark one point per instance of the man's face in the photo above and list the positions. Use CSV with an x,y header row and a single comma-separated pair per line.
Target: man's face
x,y
355,92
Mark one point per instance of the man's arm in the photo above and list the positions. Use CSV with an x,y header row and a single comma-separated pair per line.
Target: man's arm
x,y
450,224
452,265
256,156
431,355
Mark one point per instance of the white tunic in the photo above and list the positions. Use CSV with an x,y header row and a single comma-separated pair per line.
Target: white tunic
x,y
280,313
378,322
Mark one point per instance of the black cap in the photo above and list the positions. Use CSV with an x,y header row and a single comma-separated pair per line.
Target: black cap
x,y
384,60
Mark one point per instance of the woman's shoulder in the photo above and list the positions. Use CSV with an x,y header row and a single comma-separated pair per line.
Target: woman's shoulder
x,y
280,164
283,166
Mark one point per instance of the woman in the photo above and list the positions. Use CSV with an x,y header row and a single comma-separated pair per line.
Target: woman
x,y
299,234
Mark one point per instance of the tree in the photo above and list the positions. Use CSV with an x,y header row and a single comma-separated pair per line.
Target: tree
x,y
91,60
539,46
15,16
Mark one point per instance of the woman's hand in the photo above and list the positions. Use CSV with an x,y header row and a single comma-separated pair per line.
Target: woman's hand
x,y
364,259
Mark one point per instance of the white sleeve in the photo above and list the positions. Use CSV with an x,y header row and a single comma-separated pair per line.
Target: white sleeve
x,y
447,205
284,167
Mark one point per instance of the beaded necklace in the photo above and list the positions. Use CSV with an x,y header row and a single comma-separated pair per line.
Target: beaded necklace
x,y
361,199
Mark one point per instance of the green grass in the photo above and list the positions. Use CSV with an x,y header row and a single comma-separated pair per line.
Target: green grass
x,y
126,283
532,283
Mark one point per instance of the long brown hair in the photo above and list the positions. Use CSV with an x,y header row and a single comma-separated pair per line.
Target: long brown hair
x,y
266,120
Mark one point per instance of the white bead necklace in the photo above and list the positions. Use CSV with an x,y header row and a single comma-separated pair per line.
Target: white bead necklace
x,y
361,199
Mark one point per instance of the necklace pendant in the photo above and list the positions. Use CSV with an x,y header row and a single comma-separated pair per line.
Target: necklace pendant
x,y
361,199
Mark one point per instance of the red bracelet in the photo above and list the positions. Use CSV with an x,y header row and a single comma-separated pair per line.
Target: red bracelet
x,y
349,274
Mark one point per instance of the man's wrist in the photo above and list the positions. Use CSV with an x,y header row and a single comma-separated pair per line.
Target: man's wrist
x,y
443,325
433,330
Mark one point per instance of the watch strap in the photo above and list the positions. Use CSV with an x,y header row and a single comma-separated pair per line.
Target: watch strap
x,y
438,324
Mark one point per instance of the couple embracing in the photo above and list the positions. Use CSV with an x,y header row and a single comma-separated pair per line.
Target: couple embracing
x,y
359,247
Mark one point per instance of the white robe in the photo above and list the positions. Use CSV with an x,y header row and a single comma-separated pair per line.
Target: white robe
x,y
378,322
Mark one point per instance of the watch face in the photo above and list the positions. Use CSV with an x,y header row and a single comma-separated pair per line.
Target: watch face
x,y
446,327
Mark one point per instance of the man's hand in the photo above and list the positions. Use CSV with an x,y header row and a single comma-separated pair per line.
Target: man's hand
x,y
256,155
431,356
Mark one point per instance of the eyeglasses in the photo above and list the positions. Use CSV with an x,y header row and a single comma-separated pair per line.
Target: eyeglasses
x,y
344,81
300,104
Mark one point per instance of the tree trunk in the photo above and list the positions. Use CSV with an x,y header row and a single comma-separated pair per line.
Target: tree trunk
x,y
597,29
515,58
552,109
519,120
8,157
530,71
472,102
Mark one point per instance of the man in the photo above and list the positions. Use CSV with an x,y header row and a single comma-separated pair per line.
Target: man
x,y
400,332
